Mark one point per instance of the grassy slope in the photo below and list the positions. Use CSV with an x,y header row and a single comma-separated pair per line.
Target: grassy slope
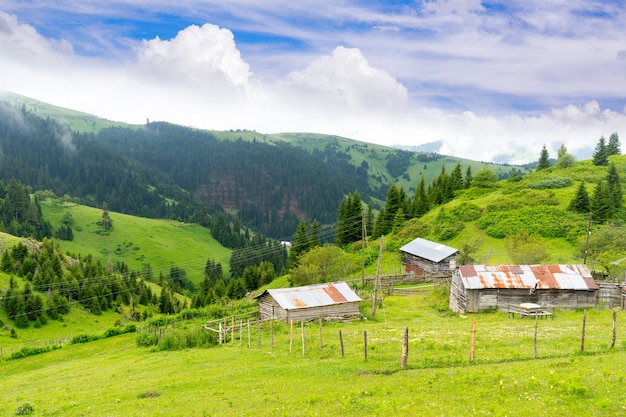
x,y
137,240
493,250
113,377
76,120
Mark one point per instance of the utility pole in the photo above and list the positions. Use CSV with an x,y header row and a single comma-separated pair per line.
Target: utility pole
x,y
375,298
362,249
587,240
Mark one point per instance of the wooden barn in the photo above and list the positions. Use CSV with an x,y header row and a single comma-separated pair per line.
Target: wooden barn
x,y
421,256
332,300
481,287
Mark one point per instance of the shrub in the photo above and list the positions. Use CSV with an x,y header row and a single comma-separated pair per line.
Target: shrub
x,y
84,338
146,339
550,182
466,212
24,410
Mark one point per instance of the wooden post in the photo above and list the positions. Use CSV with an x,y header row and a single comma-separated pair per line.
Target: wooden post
x,y
405,347
290,335
365,343
272,332
321,340
582,339
220,332
375,297
535,340
472,339
258,332
362,249
232,330
303,344
240,331
614,329
341,343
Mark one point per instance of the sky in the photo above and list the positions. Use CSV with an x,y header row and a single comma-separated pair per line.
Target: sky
x,y
484,80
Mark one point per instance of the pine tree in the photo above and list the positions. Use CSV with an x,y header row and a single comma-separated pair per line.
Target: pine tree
x,y
300,244
613,147
314,236
467,181
580,202
600,155
614,189
601,204
420,205
544,159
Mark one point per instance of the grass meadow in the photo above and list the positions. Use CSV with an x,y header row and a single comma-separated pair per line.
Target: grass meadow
x,y
114,377
137,240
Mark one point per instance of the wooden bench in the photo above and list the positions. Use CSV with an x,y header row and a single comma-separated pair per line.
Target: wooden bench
x,y
530,310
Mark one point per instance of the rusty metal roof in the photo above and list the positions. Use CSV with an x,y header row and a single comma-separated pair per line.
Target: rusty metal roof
x,y
426,249
565,277
313,295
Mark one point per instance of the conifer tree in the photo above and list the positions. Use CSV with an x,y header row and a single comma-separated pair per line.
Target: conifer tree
x,y
300,243
544,159
580,202
419,205
613,147
600,155
614,189
467,181
601,204
314,236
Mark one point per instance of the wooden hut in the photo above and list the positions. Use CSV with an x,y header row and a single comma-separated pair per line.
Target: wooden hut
x,y
421,256
481,287
332,300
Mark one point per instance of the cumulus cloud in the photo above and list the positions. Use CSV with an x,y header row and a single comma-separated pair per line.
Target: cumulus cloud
x,y
345,77
200,78
203,55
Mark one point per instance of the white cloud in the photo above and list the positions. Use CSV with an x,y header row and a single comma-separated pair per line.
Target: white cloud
x,y
202,55
200,78
346,78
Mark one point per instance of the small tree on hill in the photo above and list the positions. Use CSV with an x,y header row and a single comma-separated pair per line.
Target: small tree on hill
x,y
600,155
613,147
564,159
544,159
580,202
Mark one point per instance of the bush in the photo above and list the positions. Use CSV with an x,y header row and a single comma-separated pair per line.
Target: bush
x,y
32,350
466,212
550,182
84,338
24,410
146,339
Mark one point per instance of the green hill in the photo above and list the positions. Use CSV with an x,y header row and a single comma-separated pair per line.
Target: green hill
x,y
137,241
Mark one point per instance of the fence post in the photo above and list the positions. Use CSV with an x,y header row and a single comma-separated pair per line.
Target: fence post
x,y
341,343
321,340
365,343
232,330
614,329
303,344
405,347
472,339
272,332
249,338
582,339
258,332
535,340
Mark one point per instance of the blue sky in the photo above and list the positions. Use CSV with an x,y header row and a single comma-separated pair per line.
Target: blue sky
x,y
493,80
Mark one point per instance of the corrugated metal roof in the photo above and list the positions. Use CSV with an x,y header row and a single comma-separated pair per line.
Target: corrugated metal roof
x,y
566,277
314,295
426,249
